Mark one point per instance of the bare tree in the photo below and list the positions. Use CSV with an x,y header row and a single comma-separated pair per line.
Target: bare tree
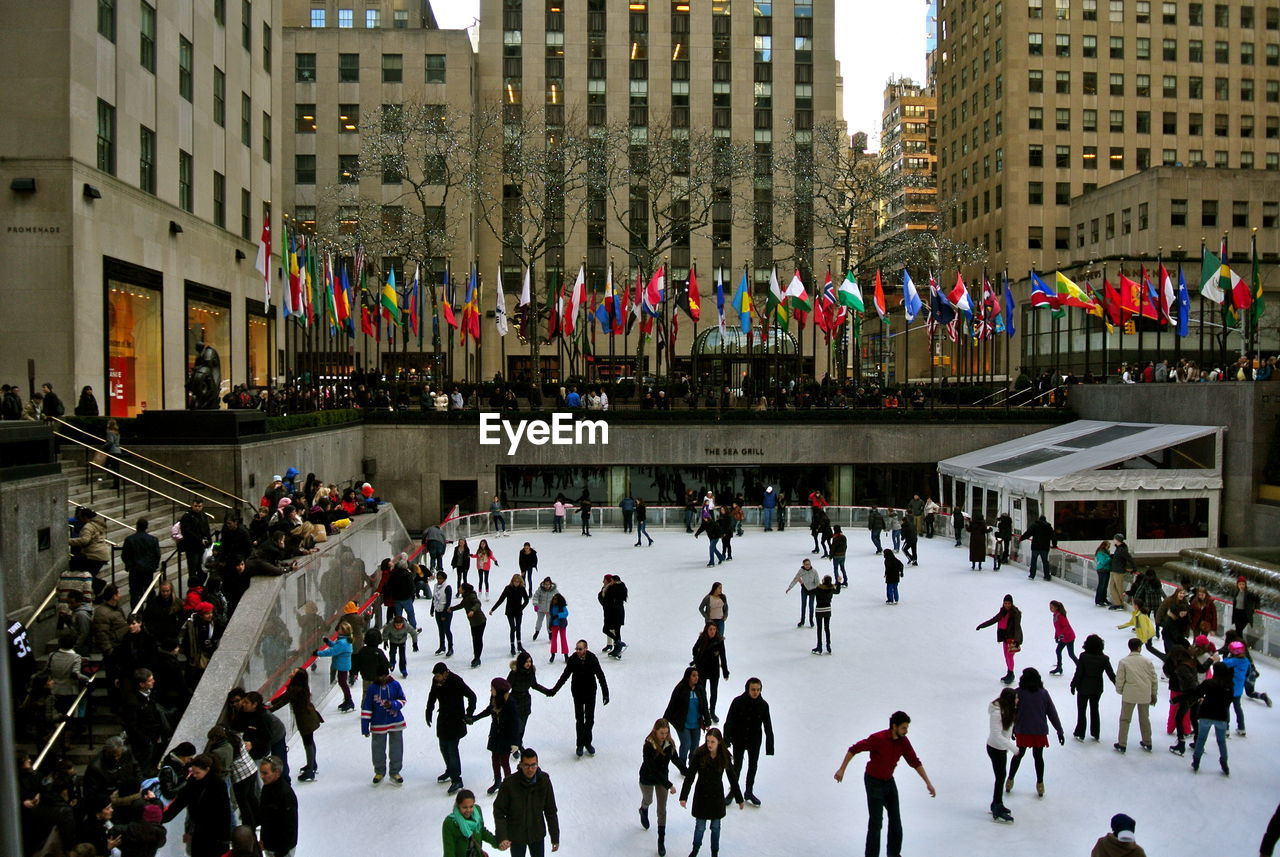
x,y
929,248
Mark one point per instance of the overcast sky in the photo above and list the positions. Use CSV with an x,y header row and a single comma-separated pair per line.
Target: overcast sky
x,y
875,40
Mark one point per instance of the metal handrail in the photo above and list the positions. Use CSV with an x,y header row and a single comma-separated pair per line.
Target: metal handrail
x,y
57,732
174,500
48,599
114,474
136,454
146,593
118,523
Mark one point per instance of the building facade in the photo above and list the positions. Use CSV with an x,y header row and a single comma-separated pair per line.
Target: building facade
x,y
138,172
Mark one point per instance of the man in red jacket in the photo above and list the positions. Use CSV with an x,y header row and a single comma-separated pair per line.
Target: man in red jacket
x,y
886,748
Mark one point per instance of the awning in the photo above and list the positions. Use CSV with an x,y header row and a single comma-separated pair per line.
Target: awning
x,y
1077,456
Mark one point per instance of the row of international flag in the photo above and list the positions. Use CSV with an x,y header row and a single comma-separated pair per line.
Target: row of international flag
x,y
326,290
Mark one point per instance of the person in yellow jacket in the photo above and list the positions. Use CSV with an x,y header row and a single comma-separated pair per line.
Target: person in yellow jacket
x,y
1143,628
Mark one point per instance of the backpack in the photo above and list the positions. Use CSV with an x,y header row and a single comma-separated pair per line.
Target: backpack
x,y
176,531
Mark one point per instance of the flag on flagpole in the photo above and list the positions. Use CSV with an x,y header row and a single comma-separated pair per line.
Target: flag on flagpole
x,y
878,299
1184,304
525,289
1009,307
263,263
500,306
775,304
798,297
1214,275
1255,280
720,302
1070,294
850,295
619,304
415,299
447,304
959,296
911,304
390,298
292,293
1168,296
574,303
742,303
655,291
344,303
693,300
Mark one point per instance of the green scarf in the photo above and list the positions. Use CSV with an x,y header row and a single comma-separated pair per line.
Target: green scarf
x,y
469,826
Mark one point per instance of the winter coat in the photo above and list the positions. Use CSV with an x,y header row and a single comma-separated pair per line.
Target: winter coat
x,y
677,713
1035,712
92,542
208,805
875,521
461,561
977,541
470,605
1142,626
705,607
709,657
525,810
65,670
458,845
892,569
109,627
451,719
305,716
194,527
839,545
371,662
398,637
527,561
746,720
1062,630
613,599
505,727
1202,618
1090,669
1239,673
440,599
1215,698
822,597
1109,846
340,651
710,526
1122,560
1136,679
1147,593
401,586
1243,606
999,738
515,597
141,551
1013,627
705,780
1004,528
585,672
655,765
1180,669
806,577
278,811
542,598
1041,535
558,617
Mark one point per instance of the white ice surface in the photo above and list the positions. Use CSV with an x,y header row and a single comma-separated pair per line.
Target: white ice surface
x,y
922,656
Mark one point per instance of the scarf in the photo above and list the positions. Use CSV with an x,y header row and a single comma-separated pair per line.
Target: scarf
x,y
469,826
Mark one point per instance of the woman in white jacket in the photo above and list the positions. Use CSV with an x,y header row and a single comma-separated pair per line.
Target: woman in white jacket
x,y
1001,712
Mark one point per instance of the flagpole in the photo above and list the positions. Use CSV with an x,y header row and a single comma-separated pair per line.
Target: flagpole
x,y
1222,339
1200,298
1008,335
1255,271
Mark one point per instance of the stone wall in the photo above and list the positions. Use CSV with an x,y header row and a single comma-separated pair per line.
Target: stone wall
x,y
26,507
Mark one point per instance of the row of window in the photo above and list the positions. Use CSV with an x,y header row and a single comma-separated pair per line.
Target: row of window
x,y
1168,49
349,68
1142,11
1212,214
346,18
1169,87
147,37
147,157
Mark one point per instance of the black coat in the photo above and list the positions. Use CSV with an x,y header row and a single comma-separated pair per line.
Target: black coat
x,y
1090,669
705,780
208,805
370,661
234,544
451,720
142,552
655,765
400,586
746,719
614,600
525,810
1041,535
709,657
892,568
585,672
678,708
527,561
1012,629
505,728
515,597
278,810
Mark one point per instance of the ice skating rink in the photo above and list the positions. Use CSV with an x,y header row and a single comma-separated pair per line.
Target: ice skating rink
x,y
922,656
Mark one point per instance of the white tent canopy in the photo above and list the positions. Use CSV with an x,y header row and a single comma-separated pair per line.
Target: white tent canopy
x,y
1089,454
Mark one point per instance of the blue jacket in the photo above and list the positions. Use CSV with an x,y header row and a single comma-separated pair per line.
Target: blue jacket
x,y
380,711
628,504
1239,673
559,617
340,651
770,500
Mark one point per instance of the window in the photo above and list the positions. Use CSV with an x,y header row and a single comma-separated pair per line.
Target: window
x,y
1239,213
1169,85
401,19
1035,118
1089,47
348,68
1273,54
1221,88
1035,44
107,19
1169,157
1208,212
1177,212
348,169
1089,82
1090,10
1143,12
372,19
1195,125
266,47
1062,9
106,137
1062,83
1221,15
1035,237
435,68
1117,157
147,37
266,137
1246,53
1035,155
246,119
246,216
1035,193
186,188
1195,87
1270,215
220,12
219,200
1035,8
1116,47
1062,193
1273,91
1273,127
1089,119
1109,226
1089,157
346,19
1117,84
1035,80
1117,121
1246,160
219,97
348,118
147,160
1221,125
392,68
1169,50
246,25
1195,14
1062,119
1221,52
304,169
317,17
1062,44
1115,12
304,118
185,59
1093,231
1088,519
305,68
1144,121
1142,85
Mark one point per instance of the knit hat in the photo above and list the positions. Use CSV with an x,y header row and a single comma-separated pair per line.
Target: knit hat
x,y
153,813
284,501
1119,537
1236,647
350,608
440,667
1202,641
501,685
204,607
1241,579
1122,826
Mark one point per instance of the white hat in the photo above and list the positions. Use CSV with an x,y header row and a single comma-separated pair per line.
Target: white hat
x,y
769,490
276,479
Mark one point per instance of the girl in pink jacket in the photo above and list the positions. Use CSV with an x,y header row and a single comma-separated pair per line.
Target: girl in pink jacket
x,y
1063,635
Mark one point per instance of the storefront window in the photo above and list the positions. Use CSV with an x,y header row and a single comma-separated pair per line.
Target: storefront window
x,y
1088,520
209,322
260,340
1173,519
134,371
